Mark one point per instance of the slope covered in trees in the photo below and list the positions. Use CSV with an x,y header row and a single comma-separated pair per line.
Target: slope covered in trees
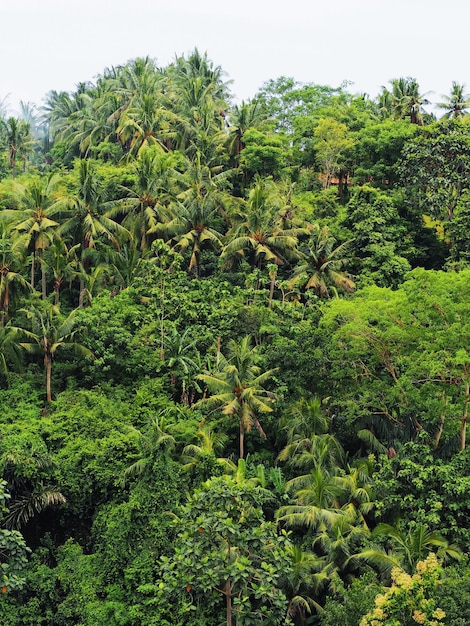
x,y
234,365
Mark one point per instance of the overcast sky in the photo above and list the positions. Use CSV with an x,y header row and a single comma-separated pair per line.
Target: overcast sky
x,y
55,44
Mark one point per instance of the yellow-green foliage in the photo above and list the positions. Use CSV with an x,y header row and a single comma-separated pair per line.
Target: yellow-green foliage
x,y
410,599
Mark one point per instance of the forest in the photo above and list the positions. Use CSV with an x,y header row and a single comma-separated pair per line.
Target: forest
x,y
234,361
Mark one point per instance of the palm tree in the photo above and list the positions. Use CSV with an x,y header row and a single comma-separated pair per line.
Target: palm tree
x,y
238,387
19,140
200,98
50,333
210,444
457,103
259,232
10,265
407,101
306,579
317,500
303,419
143,205
10,337
30,495
145,123
242,117
406,548
155,441
34,222
179,353
321,265
195,215
88,222
62,262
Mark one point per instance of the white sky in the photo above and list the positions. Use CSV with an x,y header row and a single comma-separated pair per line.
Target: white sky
x,y
55,44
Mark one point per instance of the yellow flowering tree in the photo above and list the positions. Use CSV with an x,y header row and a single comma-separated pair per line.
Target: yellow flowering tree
x,y
410,599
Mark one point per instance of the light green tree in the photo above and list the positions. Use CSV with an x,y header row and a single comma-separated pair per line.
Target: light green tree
x,y
331,141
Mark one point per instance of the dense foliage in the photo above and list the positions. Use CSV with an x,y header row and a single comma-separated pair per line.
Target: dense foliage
x,y
234,364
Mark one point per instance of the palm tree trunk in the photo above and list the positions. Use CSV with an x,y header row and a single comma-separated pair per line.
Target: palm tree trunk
x,y
463,423
81,293
271,289
48,366
242,440
43,281
33,269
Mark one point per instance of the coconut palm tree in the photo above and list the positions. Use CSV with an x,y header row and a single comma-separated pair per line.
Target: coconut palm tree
x,y
179,353
34,220
11,263
258,232
25,475
10,350
156,440
238,388
407,101
200,99
308,576
403,549
457,103
143,205
87,222
242,117
62,262
194,217
50,333
321,265
317,496
19,141
210,444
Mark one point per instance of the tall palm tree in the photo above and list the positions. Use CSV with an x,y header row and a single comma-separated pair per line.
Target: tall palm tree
x,y
179,353
258,231
19,141
156,440
62,263
11,264
194,217
34,219
10,337
143,205
238,388
457,103
87,222
210,444
321,265
242,117
317,497
306,579
50,333
404,100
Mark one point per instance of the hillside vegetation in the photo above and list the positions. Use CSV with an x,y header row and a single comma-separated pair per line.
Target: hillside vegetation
x,y
234,363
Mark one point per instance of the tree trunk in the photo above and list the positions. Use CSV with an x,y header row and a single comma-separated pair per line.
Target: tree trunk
x,y
271,289
440,427
33,269
242,440
228,600
81,294
463,424
48,366
43,281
